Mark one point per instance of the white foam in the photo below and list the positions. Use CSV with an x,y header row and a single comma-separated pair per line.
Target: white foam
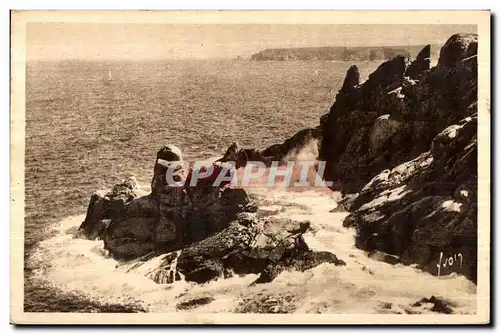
x,y
361,286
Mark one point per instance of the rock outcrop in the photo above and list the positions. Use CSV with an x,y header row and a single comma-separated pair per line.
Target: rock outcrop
x,y
457,48
169,218
403,144
421,64
394,115
105,207
402,147
250,245
206,231
288,150
424,211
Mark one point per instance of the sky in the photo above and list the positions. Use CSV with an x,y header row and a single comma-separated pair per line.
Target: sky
x,y
125,41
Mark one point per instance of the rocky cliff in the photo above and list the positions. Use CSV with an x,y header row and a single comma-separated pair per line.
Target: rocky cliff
x,y
402,147
205,232
394,115
403,144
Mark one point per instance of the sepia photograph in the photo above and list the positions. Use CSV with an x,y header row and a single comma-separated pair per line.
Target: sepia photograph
x,y
232,167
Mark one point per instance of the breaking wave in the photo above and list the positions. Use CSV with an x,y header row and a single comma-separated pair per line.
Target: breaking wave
x,y
364,285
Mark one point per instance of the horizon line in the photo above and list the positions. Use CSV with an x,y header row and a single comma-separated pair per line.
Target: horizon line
x,y
235,57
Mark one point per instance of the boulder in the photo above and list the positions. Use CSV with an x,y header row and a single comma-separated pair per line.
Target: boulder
x,y
178,216
421,64
438,304
249,245
457,48
105,207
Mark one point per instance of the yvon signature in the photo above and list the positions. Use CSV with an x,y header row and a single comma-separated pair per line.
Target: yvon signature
x,y
452,261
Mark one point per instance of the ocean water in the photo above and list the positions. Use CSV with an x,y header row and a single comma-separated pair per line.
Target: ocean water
x,y
86,131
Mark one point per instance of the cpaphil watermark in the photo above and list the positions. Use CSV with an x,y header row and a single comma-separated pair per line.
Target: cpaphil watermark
x,y
255,173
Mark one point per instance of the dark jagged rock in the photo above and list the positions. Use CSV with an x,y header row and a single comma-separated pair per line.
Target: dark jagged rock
x,y
165,157
169,218
301,262
406,152
457,48
256,246
279,152
392,118
425,210
440,305
421,64
103,208
351,79
206,231
249,245
192,303
174,218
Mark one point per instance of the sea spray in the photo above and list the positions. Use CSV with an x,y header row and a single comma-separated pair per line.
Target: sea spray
x,y
362,286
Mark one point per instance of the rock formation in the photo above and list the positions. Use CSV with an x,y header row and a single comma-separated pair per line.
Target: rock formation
x,y
424,211
393,116
307,138
421,64
403,145
205,231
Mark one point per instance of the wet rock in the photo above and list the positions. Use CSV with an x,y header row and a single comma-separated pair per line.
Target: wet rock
x,y
207,232
281,153
262,247
169,218
440,305
303,261
395,116
424,211
103,208
421,64
193,303
173,218
383,257
457,48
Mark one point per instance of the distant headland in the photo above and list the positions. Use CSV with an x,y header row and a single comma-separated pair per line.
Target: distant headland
x,y
361,53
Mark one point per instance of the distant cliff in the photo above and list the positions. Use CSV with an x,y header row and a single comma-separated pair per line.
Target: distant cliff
x,y
361,53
